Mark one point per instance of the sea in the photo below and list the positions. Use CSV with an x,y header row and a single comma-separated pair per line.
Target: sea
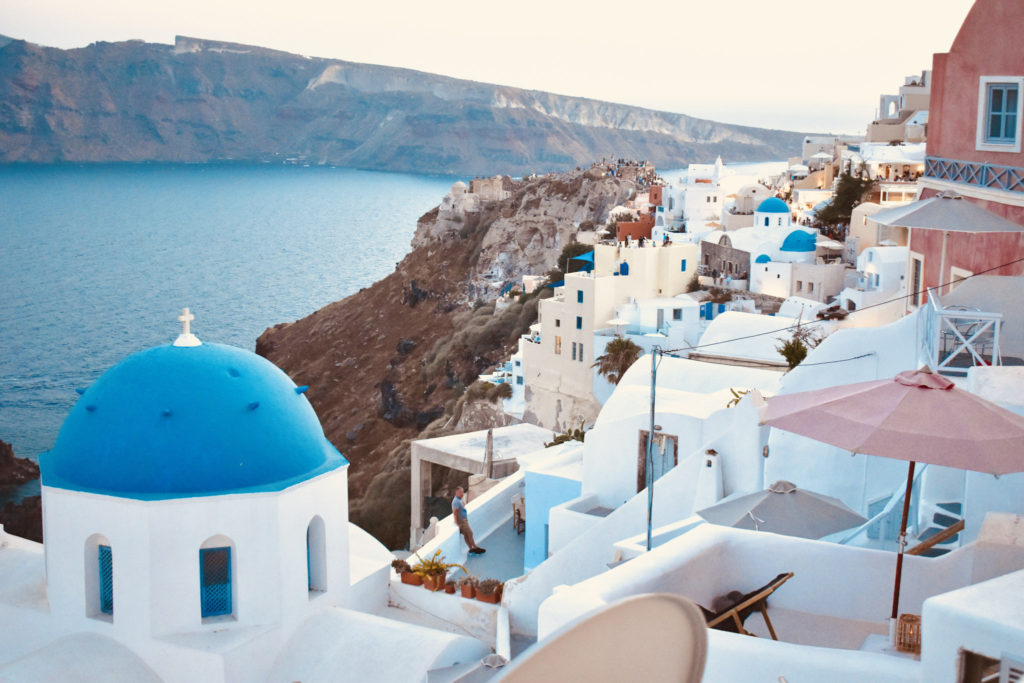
x,y
97,261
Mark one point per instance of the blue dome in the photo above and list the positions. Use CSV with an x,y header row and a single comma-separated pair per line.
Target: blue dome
x,y
772,205
178,422
799,240
763,258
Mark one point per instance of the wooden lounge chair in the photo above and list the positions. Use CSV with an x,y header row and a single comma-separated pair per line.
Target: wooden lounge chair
x,y
731,618
519,513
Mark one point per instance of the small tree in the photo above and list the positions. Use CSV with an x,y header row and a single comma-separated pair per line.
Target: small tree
x,y
850,192
796,347
618,356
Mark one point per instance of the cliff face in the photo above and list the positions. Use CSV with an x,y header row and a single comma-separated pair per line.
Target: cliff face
x,y
199,101
390,360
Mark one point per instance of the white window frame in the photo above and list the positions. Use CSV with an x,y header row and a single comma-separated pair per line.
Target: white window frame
x,y
955,273
980,144
914,300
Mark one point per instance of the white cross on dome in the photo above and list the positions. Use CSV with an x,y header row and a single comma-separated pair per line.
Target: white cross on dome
x,y
186,338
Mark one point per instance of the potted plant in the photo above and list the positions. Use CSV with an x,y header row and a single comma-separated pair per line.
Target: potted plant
x,y
434,570
449,587
405,571
489,590
467,584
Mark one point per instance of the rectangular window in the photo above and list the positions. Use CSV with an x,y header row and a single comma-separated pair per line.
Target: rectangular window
x,y
677,314
682,266
799,285
558,323
579,322
106,579
558,345
215,581
916,266
1002,113
581,353
810,287
999,113
519,379
574,350
579,296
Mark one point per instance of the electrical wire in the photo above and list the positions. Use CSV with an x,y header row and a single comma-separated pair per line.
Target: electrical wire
x,y
798,324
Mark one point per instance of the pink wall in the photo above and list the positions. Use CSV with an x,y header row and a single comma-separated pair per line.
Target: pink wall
x,y
989,44
975,252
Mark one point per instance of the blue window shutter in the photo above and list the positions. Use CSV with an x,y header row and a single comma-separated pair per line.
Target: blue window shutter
x,y
574,350
579,322
682,266
215,581
106,562
1002,105
579,296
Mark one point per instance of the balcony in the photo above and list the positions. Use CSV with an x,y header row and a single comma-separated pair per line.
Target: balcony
x,y
958,337
1007,178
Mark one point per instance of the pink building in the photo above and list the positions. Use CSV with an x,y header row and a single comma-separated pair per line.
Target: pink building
x,y
974,147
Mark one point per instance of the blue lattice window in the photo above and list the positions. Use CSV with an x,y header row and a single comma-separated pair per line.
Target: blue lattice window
x,y
106,576
215,581
1001,113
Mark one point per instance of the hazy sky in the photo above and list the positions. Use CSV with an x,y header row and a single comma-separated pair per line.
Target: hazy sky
x,y
811,65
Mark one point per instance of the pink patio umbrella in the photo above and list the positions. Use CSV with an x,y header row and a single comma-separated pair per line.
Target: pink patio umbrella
x,y
915,416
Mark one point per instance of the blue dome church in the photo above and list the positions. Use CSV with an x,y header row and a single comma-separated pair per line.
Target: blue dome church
x,y
192,491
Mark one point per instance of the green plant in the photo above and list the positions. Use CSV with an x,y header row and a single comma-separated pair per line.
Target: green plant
x,y
618,356
850,192
737,395
489,586
694,284
570,435
795,349
434,565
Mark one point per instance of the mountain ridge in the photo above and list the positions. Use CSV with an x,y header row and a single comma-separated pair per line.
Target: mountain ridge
x,y
203,100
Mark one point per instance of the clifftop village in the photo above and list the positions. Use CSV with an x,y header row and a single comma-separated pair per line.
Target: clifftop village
x,y
791,400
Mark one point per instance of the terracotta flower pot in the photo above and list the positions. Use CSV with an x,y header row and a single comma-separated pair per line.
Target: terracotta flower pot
x,y
434,582
468,591
412,578
449,588
492,598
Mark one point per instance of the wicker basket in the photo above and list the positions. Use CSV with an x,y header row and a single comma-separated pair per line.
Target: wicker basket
x,y
908,633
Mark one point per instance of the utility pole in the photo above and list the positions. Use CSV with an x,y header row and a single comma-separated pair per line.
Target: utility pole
x,y
650,447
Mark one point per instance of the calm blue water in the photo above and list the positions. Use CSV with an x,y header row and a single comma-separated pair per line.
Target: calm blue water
x,y
97,262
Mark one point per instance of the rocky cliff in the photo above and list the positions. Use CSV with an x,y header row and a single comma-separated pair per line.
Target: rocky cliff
x,y
391,360
202,101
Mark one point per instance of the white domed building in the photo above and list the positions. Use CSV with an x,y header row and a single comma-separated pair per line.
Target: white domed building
x,y
195,521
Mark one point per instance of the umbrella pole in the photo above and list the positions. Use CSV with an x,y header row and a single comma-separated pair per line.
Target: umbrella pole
x,y
902,541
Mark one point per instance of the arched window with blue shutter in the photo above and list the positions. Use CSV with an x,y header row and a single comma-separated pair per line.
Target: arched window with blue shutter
x,y
99,578
215,581
105,567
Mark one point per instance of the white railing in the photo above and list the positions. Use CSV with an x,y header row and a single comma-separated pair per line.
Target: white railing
x,y
951,332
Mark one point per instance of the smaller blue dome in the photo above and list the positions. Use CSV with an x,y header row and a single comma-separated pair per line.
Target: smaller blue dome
x,y
763,258
799,240
772,205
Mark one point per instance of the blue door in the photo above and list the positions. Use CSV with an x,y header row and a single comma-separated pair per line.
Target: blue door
x,y
215,581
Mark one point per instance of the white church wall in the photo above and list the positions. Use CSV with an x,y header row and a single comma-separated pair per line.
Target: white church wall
x,y
155,556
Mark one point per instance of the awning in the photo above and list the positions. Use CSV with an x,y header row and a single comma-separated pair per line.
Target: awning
x,y
947,211
588,257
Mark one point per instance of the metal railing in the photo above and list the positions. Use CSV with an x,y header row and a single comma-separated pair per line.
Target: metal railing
x,y
957,337
1009,178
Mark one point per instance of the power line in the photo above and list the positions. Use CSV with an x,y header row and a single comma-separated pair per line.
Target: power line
x,y
866,308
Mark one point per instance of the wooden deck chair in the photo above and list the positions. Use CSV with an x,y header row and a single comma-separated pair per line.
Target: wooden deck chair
x,y
731,618
519,513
